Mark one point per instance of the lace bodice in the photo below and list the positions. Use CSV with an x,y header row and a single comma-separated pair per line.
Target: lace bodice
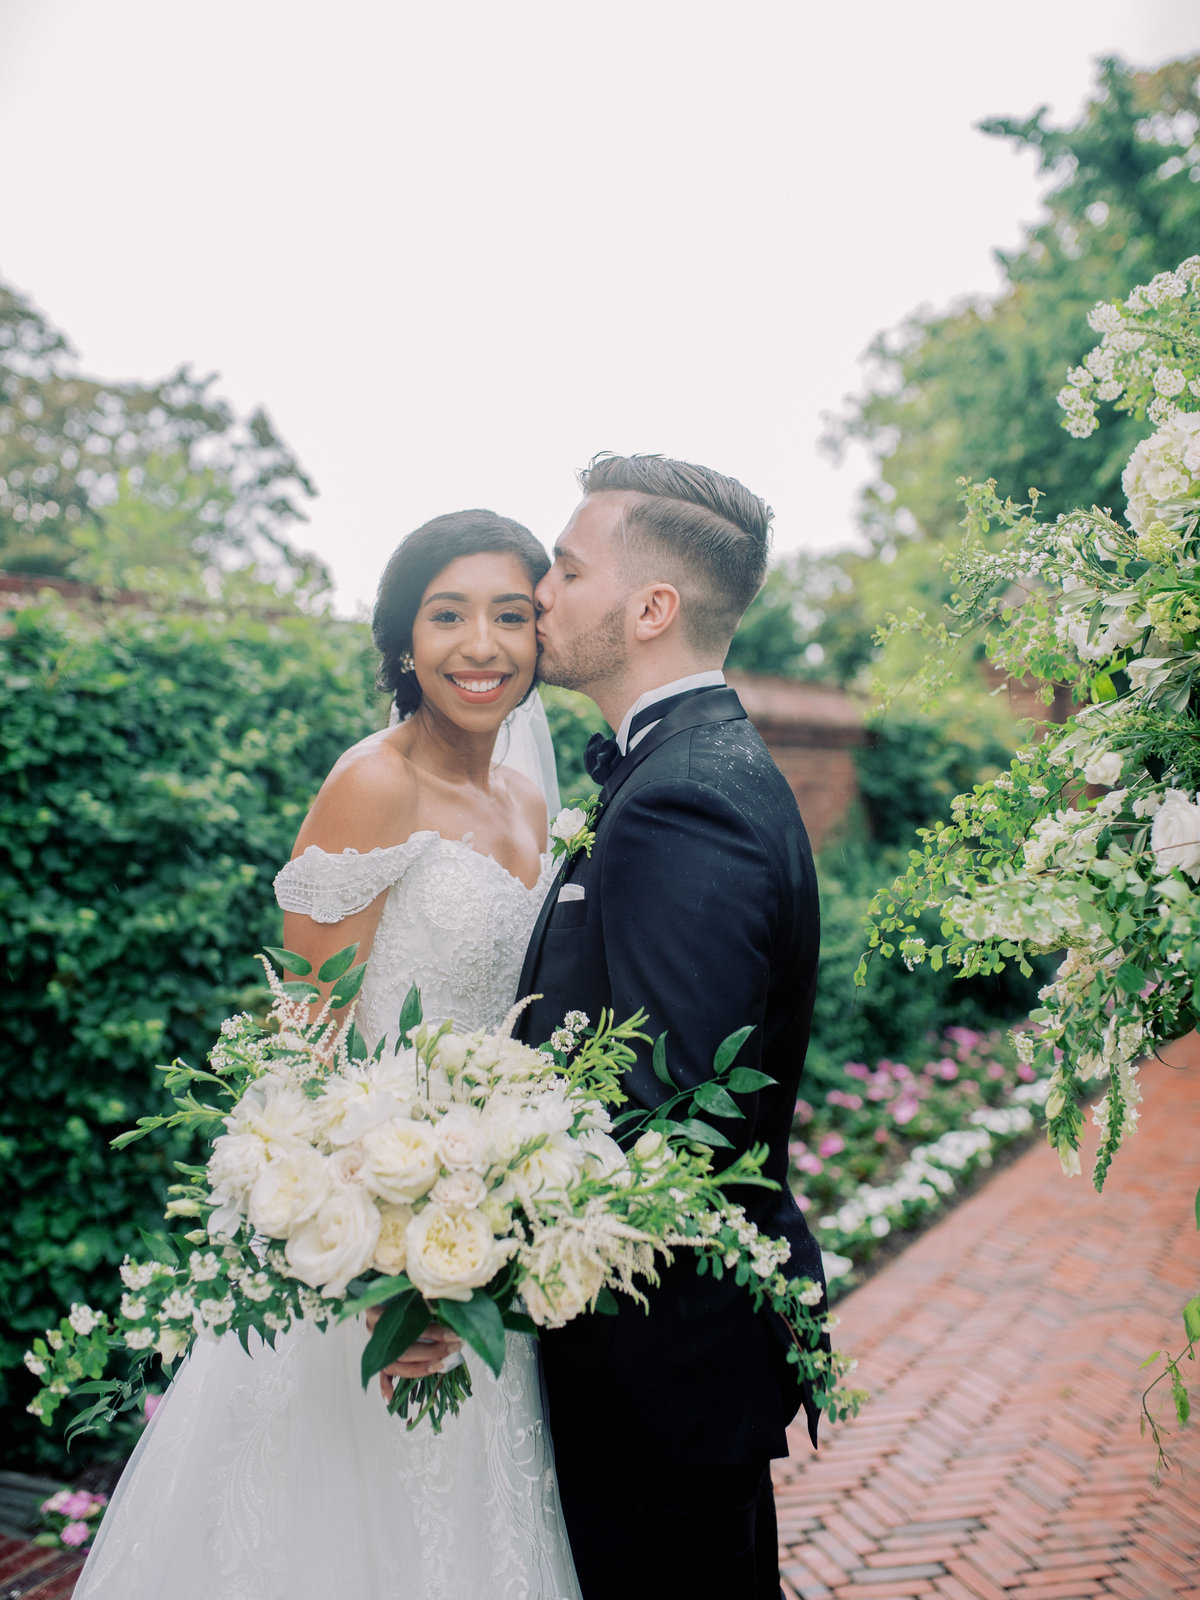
x,y
455,923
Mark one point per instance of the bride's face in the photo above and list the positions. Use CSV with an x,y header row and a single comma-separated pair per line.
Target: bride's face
x,y
473,640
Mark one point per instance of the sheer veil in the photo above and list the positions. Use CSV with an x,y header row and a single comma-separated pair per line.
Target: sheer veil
x,y
524,745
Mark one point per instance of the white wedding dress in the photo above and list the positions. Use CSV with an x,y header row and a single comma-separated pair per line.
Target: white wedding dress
x,y
273,1476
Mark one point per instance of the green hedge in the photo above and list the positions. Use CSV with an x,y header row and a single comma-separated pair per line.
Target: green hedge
x,y
153,773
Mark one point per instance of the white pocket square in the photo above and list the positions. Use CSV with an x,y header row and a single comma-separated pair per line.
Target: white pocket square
x,y
571,891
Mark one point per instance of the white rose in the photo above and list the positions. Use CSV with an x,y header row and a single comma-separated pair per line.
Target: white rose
x,y
337,1244
459,1191
603,1156
451,1053
569,821
401,1160
288,1191
348,1166
451,1253
1175,834
1103,769
391,1247
351,1107
462,1140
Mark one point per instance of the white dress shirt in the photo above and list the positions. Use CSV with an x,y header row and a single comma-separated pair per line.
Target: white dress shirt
x,y
714,679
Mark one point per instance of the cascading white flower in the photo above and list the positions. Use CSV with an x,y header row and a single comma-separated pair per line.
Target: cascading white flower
x,y
1163,469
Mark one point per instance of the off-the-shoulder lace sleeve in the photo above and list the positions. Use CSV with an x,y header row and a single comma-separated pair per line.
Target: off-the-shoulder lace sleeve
x,y
330,887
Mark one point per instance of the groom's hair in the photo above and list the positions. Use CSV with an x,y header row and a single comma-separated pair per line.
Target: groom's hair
x,y
704,533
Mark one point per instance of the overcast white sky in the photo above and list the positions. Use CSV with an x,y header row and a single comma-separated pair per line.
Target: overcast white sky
x,y
457,247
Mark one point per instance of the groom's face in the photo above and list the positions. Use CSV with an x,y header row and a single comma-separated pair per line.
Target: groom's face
x,y
583,599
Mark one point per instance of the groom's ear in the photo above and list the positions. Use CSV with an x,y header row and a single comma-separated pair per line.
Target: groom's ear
x,y
657,610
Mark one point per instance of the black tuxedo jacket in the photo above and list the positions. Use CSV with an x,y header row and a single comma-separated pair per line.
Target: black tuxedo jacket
x,y
700,905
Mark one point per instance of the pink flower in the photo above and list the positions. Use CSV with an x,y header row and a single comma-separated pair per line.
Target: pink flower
x,y
810,1163
905,1109
804,1112
948,1069
1024,1072
831,1145
856,1069
55,1502
76,1504
152,1403
881,1135
76,1533
839,1097
995,1070
803,1202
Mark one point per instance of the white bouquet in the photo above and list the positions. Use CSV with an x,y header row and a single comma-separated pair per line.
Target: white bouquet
x,y
462,1177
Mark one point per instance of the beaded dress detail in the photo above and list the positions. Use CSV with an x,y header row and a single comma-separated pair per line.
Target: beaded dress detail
x,y
273,1476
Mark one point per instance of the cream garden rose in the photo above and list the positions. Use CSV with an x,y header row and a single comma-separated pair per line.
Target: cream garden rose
x,y
402,1160
1175,834
391,1247
287,1192
451,1253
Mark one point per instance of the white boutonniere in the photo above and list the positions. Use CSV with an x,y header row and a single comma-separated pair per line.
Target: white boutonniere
x,y
573,829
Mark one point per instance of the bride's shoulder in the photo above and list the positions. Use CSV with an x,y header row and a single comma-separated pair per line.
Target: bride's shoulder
x,y
369,799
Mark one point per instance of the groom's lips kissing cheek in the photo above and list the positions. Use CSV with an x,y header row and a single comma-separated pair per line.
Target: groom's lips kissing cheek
x,y
478,688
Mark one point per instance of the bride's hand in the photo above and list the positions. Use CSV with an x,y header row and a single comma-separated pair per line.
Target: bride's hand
x,y
424,1359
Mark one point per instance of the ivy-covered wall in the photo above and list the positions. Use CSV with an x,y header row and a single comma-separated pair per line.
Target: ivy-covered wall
x,y
153,773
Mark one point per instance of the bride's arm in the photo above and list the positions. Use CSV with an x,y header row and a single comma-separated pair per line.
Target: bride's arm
x,y
367,802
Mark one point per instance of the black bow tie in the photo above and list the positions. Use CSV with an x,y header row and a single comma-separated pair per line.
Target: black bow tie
x,y
603,754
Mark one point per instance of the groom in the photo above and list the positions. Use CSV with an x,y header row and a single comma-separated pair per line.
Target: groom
x,y
699,903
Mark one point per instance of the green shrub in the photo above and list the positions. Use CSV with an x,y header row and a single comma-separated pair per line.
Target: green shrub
x,y
153,773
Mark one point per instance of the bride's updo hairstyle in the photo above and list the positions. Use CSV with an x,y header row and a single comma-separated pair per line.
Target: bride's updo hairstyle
x,y
415,565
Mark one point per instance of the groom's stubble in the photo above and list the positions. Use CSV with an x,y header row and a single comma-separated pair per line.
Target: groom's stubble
x,y
590,660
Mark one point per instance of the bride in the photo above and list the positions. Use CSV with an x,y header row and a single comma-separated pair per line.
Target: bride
x,y
273,1476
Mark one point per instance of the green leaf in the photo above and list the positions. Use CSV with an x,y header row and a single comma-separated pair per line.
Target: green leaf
x,y
1150,1360
746,1080
337,964
287,961
1131,978
410,1014
518,1322
346,988
477,1322
374,1294
400,1325
1103,689
700,1133
302,991
606,1303
712,1098
356,1045
1191,1320
659,1061
728,1048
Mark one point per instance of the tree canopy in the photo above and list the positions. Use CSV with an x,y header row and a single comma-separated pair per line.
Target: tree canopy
x,y
115,482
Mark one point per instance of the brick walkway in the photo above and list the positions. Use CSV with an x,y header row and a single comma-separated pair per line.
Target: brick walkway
x,y
999,1457
28,1572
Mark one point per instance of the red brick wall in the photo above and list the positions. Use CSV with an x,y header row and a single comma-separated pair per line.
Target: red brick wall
x,y
824,781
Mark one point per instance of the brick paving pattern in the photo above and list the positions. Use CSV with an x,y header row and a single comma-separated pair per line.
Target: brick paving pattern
x,y
999,1457
28,1572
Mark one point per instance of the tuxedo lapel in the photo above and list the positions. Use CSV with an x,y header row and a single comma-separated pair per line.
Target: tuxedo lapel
x,y
698,710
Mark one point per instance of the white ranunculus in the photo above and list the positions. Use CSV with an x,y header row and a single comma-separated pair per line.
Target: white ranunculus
x,y
564,1277
462,1140
276,1111
402,1160
569,821
459,1191
1161,469
236,1164
391,1247
1104,768
450,1253
350,1107
1175,834
287,1192
337,1243
549,1170
603,1156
